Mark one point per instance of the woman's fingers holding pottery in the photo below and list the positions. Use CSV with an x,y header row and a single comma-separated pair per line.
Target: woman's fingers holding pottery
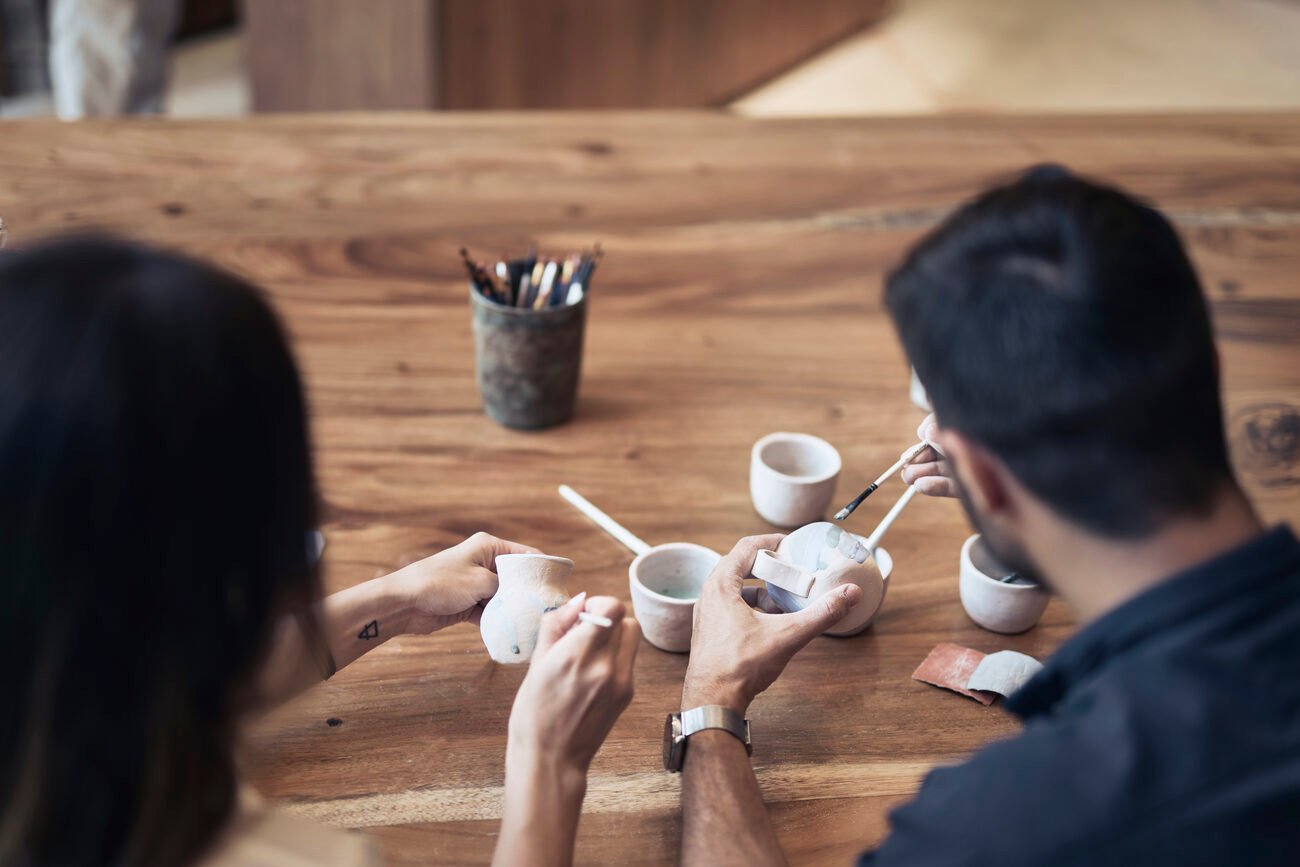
x,y
485,548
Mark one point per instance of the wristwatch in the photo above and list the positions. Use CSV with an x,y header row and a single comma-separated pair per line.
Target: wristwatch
x,y
680,726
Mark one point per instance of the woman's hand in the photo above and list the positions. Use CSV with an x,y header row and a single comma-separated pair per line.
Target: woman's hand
x,y
578,683
453,585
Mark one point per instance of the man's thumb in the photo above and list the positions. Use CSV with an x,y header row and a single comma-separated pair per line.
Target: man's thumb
x,y
827,611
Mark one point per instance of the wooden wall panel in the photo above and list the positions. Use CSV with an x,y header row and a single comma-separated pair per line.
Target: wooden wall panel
x,y
631,53
386,54
331,55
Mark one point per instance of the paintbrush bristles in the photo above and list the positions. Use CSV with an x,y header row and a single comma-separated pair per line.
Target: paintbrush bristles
x,y
903,461
857,501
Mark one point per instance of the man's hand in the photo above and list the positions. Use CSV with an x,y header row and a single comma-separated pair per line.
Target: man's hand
x,y
929,471
737,652
453,585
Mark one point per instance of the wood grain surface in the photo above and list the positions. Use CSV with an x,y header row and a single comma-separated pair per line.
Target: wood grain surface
x,y
739,295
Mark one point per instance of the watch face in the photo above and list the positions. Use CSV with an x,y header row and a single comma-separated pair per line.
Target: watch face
x,y
674,745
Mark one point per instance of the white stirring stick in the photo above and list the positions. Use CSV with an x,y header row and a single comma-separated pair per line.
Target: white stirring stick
x,y
605,522
883,527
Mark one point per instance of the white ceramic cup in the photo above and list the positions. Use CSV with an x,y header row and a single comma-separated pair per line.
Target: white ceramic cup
x,y
793,583
665,583
792,478
998,607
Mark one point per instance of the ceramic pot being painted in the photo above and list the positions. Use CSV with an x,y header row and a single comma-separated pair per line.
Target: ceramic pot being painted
x,y
530,585
804,567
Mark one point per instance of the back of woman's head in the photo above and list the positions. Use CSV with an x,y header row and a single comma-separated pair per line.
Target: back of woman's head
x,y
156,497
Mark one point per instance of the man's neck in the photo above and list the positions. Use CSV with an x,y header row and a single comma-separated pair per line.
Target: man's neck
x,y
1094,574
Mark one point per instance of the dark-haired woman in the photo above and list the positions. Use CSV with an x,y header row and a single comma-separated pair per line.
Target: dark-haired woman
x,y
158,580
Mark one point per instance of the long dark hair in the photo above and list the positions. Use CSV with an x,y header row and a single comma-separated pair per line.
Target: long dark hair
x,y
156,496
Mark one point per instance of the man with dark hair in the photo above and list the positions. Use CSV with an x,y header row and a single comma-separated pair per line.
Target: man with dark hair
x,y
1066,346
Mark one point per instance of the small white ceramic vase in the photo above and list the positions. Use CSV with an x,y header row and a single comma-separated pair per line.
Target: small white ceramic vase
x,y
530,585
803,569
993,604
792,478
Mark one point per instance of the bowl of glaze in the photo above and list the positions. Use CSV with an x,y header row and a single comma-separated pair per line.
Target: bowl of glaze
x,y
993,604
665,583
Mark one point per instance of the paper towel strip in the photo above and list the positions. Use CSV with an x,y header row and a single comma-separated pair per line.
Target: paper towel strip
x,y
950,666
1003,672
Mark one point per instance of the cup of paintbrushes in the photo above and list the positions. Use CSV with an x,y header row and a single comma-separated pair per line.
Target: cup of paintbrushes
x,y
529,321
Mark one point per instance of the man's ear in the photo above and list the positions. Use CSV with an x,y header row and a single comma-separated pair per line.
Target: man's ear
x,y
978,471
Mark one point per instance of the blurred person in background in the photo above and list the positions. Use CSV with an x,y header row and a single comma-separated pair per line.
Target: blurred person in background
x,y
104,57
159,581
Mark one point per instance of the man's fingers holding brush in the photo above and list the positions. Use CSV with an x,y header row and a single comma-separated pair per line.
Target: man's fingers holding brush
x,y
929,471
930,474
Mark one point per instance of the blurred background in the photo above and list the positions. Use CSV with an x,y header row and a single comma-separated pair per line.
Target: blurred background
x,y
78,58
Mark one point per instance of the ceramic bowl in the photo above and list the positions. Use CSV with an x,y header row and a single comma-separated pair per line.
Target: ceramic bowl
x,y
665,582
997,607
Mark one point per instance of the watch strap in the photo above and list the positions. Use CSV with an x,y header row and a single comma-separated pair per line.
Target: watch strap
x,y
713,716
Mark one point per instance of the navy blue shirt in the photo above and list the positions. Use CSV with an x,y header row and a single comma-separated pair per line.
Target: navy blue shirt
x,y
1165,732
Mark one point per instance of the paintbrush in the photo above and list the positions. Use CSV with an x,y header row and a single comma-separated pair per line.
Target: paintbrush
x,y
884,477
479,276
547,284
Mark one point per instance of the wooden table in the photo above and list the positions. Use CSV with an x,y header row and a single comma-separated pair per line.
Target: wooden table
x,y
740,295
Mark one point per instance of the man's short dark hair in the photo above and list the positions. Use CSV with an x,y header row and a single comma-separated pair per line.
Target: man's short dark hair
x,y
1059,323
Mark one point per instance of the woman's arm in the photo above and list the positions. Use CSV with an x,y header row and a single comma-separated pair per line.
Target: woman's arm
x,y
579,682
448,588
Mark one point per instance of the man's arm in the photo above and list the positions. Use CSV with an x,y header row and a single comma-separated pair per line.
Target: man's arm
x,y
448,588
736,653
723,817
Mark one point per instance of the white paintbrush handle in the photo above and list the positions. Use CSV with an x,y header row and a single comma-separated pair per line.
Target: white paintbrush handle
x,y
883,527
605,522
595,619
